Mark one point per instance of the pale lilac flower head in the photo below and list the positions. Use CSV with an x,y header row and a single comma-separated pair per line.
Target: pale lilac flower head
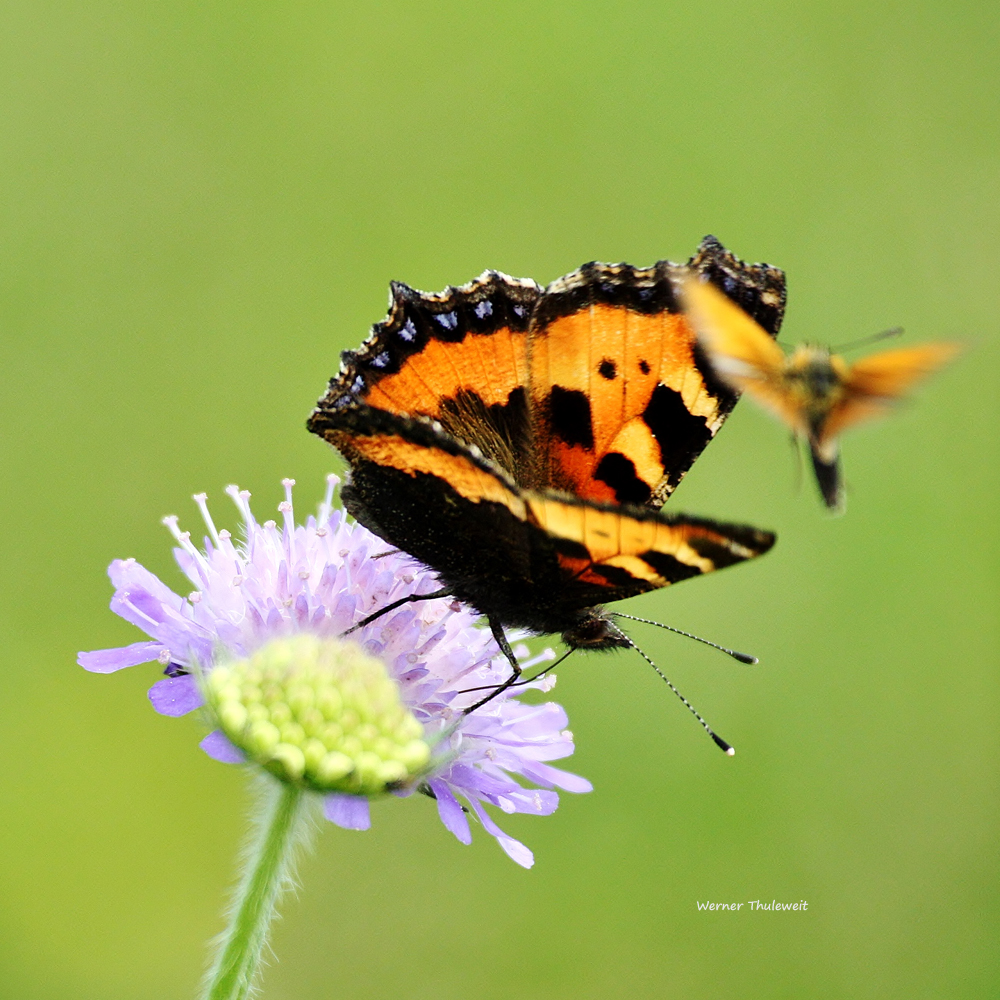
x,y
323,577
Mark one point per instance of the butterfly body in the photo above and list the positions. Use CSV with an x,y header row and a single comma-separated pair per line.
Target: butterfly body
x,y
814,391
520,440
815,378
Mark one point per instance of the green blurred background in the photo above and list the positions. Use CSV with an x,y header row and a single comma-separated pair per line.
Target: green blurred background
x,y
201,204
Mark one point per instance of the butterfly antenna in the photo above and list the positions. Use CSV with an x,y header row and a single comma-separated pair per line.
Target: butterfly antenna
x,y
873,338
725,747
742,657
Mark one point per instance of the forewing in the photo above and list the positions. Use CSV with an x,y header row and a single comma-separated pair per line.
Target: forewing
x,y
893,373
737,345
874,383
622,399
740,351
457,356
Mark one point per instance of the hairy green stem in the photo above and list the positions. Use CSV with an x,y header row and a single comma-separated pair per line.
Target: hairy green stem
x,y
280,826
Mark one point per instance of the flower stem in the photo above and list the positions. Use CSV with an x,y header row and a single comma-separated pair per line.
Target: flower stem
x,y
280,827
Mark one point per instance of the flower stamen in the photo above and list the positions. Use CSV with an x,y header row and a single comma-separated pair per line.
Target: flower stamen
x,y
326,507
183,539
201,499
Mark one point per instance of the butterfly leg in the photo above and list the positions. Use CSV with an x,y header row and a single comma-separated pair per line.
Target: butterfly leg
x,y
426,789
498,633
444,592
797,462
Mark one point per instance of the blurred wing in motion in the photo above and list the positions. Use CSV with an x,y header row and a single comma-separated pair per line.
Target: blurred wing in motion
x,y
741,352
874,383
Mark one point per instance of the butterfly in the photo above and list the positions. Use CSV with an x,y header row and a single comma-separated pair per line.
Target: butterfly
x,y
814,391
520,440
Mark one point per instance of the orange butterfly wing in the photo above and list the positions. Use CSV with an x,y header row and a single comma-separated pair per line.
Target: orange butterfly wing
x,y
457,356
741,352
739,346
874,383
621,397
431,346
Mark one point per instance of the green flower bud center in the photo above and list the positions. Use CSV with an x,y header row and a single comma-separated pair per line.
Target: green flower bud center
x,y
319,713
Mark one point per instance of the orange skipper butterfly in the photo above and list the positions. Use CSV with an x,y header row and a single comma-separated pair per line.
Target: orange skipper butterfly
x,y
814,391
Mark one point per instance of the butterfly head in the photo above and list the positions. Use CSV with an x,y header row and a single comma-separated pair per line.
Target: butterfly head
x,y
595,629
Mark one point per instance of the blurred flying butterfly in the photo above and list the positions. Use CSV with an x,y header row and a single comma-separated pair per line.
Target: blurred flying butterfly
x,y
814,391
520,440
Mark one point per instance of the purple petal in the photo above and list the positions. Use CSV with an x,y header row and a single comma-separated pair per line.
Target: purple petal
x,y
535,801
158,619
534,721
175,696
191,567
218,747
227,633
451,812
465,776
347,811
127,574
143,591
346,604
543,774
138,608
107,661
514,849
302,609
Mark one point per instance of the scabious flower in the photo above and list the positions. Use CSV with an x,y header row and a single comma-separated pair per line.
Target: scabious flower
x,y
298,584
